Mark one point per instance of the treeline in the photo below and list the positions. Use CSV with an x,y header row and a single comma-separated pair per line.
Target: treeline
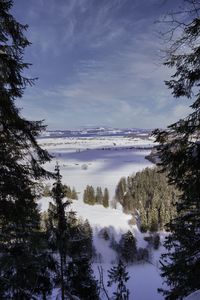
x,y
46,191
149,197
92,196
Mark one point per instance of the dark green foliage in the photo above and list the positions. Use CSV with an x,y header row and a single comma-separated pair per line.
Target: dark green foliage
x,y
71,194
58,231
23,261
81,279
89,195
74,195
179,151
119,276
127,246
143,254
156,241
149,193
81,241
106,198
114,245
153,240
71,239
104,233
99,195
121,190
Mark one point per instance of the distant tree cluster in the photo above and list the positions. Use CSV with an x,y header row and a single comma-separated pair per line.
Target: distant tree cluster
x,y
68,192
148,195
92,197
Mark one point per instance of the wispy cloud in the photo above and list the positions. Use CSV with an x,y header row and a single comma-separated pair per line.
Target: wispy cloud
x,y
98,63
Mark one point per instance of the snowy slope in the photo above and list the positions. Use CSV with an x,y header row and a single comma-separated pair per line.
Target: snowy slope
x,y
144,277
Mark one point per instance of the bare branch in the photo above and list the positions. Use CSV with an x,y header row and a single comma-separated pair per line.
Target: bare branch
x,y
102,286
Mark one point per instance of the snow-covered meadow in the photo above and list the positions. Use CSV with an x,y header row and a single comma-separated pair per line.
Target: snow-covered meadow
x,y
97,161
102,161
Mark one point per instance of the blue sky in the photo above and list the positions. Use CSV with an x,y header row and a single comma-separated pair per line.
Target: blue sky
x,y
98,63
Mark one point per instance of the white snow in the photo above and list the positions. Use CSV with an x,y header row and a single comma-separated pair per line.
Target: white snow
x,y
107,159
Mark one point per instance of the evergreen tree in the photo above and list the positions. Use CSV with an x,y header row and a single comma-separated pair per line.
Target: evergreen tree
x,y
89,195
120,190
179,152
106,198
59,230
149,196
99,195
23,262
67,191
118,275
74,194
128,249
81,279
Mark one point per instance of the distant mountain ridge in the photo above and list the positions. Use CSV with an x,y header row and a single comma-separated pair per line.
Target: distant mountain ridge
x,y
97,131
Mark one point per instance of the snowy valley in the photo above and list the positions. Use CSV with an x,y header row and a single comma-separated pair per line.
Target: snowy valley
x,y
101,158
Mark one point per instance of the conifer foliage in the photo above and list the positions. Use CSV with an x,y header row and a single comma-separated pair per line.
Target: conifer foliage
x,y
148,193
91,197
71,240
22,276
119,276
179,151
59,230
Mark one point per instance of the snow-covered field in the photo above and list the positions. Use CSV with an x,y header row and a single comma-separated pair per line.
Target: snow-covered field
x,y
102,161
97,161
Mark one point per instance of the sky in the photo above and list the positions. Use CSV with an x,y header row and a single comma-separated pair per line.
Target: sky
x,y
98,63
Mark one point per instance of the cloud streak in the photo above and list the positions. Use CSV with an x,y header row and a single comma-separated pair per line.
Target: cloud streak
x,y
98,63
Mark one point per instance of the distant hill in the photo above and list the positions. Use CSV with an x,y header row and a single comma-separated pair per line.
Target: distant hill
x,y
98,131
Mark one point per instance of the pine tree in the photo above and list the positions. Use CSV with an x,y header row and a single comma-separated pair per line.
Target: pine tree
x,y
89,195
67,191
81,279
23,262
59,230
128,249
179,151
99,195
74,194
118,275
149,196
120,190
106,198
